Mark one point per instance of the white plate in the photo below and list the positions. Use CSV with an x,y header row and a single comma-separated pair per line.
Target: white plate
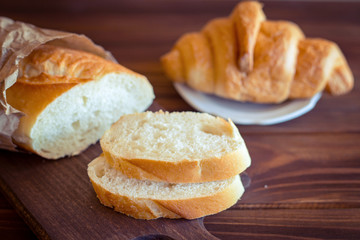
x,y
246,113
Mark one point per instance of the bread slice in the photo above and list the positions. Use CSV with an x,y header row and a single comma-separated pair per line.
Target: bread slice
x,y
178,147
145,199
70,98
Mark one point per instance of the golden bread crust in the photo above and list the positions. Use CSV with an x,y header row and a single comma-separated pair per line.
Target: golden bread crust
x,y
137,208
32,99
173,66
274,67
314,66
247,17
222,165
49,64
186,171
222,41
195,52
203,206
257,60
48,72
341,80
151,208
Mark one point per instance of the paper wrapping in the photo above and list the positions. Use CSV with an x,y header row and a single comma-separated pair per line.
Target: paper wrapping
x,y
18,40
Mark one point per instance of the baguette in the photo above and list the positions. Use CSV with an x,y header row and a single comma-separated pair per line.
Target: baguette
x,y
178,147
145,199
70,98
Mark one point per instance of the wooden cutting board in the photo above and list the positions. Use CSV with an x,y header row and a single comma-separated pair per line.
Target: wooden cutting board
x,y
301,184
57,201
305,173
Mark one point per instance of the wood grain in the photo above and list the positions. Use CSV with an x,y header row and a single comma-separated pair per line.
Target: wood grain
x,y
304,182
304,169
57,201
286,224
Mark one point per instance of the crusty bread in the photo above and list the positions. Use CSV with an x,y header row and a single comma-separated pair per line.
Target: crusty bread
x,y
145,199
178,147
247,19
70,98
245,57
320,64
172,165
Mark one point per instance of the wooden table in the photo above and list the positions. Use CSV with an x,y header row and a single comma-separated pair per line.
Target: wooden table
x,y
305,173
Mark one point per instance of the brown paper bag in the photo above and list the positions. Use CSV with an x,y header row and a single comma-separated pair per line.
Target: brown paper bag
x,y
18,40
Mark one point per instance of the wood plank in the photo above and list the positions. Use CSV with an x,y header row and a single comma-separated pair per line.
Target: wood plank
x,y
57,201
304,181
303,168
285,224
299,171
291,10
12,226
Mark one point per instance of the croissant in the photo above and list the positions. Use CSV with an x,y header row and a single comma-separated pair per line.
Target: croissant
x,y
248,58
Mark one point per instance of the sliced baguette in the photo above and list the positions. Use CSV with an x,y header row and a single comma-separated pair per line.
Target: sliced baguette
x,y
70,98
145,199
176,147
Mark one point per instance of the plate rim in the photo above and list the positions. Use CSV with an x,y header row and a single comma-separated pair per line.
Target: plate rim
x,y
309,103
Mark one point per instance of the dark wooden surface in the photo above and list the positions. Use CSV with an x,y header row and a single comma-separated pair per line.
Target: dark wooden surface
x,y
304,182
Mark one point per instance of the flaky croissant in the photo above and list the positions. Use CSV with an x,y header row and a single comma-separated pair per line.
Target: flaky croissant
x,y
248,58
